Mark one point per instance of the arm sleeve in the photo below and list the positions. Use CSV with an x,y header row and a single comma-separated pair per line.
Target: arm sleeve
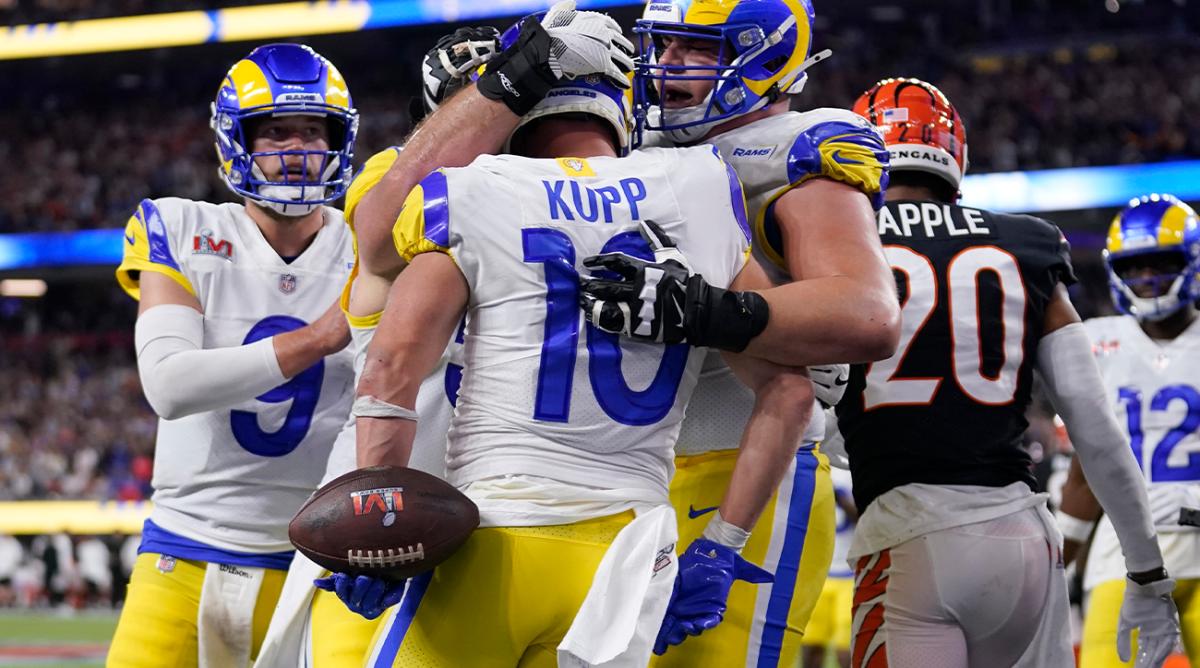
x,y
1077,392
181,378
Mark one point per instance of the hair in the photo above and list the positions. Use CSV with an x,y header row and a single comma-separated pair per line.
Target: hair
x,y
941,189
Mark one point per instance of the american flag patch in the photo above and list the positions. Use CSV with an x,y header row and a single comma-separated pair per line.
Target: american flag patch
x,y
896,115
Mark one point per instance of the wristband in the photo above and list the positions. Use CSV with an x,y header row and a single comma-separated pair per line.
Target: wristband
x,y
723,319
1073,528
729,535
371,407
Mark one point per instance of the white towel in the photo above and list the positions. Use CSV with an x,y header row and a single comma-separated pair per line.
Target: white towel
x,y
284,645
227,600
624,608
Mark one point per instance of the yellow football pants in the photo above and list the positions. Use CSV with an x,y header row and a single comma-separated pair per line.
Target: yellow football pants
x,y
340,638
793,539
1099,646
505,599
157,628
831,619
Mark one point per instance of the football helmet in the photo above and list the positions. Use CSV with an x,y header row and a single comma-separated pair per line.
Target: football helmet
x,y
921,129
763,51
278,80
1167,229
592,94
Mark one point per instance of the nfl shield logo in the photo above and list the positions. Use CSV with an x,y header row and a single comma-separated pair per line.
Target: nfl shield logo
x,y
287,283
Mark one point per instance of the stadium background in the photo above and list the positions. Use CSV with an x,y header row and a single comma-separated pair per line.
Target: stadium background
x,y
1071,106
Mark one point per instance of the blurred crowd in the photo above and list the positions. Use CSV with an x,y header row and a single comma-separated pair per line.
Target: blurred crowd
x,y
73,422
106,134
59,570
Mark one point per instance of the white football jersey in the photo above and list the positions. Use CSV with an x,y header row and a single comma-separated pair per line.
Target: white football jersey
x,y
771,156
543,393
1154,390
233,478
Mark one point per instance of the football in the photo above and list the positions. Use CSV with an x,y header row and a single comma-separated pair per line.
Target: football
x,y
385,521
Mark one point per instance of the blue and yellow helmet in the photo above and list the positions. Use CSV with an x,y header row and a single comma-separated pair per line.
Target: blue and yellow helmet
x,y
1160,232
764,50
592,94
276,80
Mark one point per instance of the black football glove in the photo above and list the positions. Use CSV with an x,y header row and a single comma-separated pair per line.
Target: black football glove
x,y
565,44
448,65
664,302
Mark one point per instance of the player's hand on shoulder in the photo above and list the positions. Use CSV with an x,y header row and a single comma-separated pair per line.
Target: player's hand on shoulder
x,y
448,65
587,43
707,570
565,44
1150,609
363,594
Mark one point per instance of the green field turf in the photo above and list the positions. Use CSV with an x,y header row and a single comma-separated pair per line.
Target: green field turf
x,y
48,629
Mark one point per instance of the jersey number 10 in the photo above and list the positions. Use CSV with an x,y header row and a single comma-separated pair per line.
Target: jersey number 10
x,y
553,250
886,388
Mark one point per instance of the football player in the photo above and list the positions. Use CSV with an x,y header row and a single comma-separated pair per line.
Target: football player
x,y
722,73
240,352
1148,360
549,438
957,561
571,43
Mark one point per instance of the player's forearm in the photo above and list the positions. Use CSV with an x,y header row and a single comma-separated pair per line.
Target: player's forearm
x,y
782,410
1077,391
465,127
829,320
180,377
384,441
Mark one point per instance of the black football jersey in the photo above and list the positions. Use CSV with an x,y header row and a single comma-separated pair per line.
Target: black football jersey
x,y
949,407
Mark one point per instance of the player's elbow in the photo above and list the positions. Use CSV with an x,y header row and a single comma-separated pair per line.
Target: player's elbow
x,y
875,330
166,404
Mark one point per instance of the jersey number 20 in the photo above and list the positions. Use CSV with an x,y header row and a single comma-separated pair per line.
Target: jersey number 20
x,y
886,388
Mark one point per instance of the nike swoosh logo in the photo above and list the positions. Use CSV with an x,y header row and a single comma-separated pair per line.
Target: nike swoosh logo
x,y
130,239
678,309
840,381
693,513
841,159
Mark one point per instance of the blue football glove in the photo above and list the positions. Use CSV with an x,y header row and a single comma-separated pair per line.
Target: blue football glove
x,y
706,572
364,594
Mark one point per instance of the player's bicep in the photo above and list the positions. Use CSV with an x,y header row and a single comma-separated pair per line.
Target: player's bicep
x,y
158,289
828,229
1059,311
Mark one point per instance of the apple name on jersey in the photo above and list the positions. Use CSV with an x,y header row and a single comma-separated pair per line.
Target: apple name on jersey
x,y
233,478
1154,390
542,393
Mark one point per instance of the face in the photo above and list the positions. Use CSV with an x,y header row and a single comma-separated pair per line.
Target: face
x,y
677,91
290,133
1150,275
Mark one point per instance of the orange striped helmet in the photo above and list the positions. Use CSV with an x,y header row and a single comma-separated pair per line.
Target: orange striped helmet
x,y
920,127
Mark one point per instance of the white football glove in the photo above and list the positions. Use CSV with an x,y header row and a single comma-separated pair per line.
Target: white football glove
x,y
829,382
1150,609
833,445
584,43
